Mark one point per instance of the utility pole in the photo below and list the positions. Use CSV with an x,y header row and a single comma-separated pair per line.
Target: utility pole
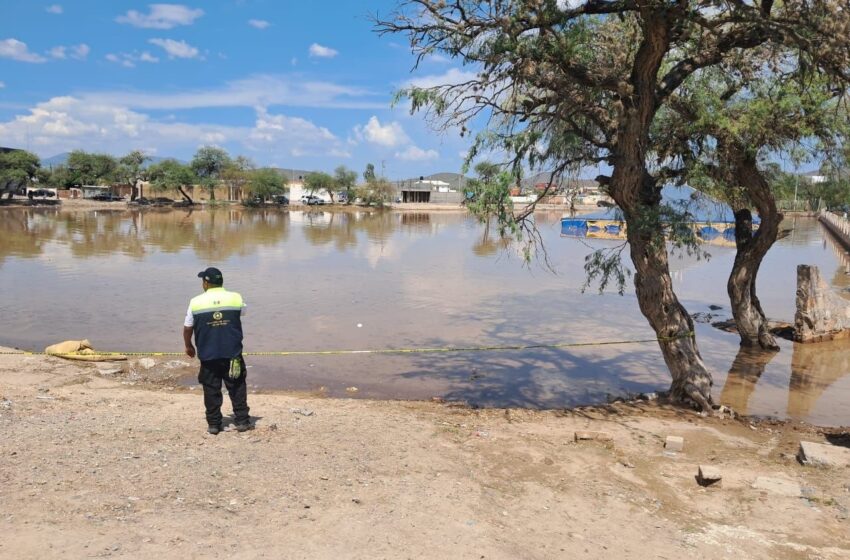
x,y
796,184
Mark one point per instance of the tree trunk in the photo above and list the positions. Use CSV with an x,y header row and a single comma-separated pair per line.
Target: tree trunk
x,y
669,319
185,196
636,192
749,317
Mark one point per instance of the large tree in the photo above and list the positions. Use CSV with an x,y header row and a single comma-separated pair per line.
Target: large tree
x,y
717,133
86,168
559,84
236,174
131,171
17,169
171,174
346,181
208,164
320,182
266,182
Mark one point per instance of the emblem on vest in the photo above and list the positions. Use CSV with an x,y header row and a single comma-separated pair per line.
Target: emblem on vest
x,y
217,315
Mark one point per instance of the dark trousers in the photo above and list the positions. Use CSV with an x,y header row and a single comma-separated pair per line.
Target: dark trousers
x,y
212,373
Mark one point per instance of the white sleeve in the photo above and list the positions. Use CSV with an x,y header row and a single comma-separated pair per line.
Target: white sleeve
x,y
189,321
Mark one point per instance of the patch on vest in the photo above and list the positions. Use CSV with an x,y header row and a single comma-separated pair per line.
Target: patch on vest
x,y
217,315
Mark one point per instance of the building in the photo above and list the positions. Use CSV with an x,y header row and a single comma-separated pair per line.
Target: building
x,y
439,188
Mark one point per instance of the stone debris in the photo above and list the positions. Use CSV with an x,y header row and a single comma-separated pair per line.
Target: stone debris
x,y
674,443
709,476
593,436
780,486
821,313
109,370
823,455
302,411
146,363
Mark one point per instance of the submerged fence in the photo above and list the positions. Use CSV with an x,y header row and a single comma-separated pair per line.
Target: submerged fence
x,y
838,225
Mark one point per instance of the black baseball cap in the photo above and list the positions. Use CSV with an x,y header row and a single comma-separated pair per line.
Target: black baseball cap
x,y
212,275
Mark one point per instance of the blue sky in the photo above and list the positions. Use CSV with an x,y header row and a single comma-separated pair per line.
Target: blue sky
x,y
291,84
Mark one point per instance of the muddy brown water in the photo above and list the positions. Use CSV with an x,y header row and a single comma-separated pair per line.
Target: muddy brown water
x,y
357,280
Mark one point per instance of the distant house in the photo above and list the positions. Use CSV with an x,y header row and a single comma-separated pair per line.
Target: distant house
x,y
428,191
90,191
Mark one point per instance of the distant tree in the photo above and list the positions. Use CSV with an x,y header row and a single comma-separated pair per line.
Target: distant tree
x,y
17,169
171,174
369,174
265,183
320,182
346,180
208,164
90,169
376,193
131,171
237,173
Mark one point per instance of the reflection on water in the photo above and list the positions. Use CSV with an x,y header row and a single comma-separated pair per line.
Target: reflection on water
x,y
319,279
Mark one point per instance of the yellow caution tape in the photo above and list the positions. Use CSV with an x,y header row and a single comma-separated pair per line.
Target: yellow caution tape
x,y
389,350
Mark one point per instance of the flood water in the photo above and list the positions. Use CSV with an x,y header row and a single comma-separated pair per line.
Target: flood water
x,y
357,280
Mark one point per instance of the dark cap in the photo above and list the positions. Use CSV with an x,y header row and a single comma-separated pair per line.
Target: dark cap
x,y
212,275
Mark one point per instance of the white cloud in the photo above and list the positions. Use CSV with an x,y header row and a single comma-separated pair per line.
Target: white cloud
x,y
129,60
2,85
175,49
390,134
161,16
255,91
307,137
317,50
67,123
18,50
54,9
258,23
414,153
78,52
450,76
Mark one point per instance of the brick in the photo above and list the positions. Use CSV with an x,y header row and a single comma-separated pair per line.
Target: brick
x,y
593,436
674,443
709,476
823,455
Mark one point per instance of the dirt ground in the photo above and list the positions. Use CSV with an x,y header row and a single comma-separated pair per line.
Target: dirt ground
x,y
96,462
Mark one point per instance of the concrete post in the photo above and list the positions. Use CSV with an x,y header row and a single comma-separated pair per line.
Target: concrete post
x,y
821,314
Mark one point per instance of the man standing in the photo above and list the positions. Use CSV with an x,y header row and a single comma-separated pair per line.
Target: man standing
x,y
215,318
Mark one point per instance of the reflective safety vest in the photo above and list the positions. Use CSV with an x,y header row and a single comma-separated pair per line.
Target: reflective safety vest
x,y
217,324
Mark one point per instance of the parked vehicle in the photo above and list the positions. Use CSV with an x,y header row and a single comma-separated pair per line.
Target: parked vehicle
x,y
312,200
280,199
107,197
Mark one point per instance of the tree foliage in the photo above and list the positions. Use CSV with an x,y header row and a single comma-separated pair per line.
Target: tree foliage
x,y
17,169
265,183
171,174
208,164
89,168
555,85
131,170
321,183
345,180
369,173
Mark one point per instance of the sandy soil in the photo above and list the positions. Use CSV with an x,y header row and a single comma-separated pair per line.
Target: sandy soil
x,y
96,462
